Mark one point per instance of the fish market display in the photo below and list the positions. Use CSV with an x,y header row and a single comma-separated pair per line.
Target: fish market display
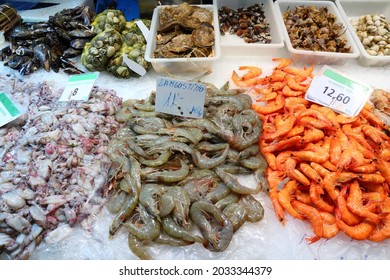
x,y
185,31
325,168
49,45
175,179
53,165
249,23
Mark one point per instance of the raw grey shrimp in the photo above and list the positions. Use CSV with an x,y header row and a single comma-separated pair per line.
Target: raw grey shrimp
x,y
116,201
234,169
249,152
161,159
252,163
229,199
204,162
137,247
167,203
261,178
172,146
181,205
177,132
148,229
234,185
236,213
167,239
203,124
218,193
217,235
198,188
175,230
149,197
125,212
253,207
168,176
211,147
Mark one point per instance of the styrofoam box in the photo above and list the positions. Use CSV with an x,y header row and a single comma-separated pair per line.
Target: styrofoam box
x,y
350,9
181,66
316,57
233,45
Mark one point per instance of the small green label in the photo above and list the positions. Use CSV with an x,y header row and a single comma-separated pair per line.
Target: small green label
x,y
83,77
7,103
344,80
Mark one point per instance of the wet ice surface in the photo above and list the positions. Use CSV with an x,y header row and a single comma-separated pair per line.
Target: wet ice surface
x,y
267,239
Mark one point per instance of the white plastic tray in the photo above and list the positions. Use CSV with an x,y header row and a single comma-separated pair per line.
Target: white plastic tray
x,y
181,66
350,9
315,57
233,45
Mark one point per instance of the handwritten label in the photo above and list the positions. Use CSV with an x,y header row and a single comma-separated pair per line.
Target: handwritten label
x,y
335,91
79,87
9,110
180,98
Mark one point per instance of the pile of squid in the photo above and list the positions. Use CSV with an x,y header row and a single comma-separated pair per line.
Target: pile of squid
x,y
53,167
176,180
325,168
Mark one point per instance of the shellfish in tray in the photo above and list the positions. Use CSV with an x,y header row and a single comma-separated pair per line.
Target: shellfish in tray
x,y
185,31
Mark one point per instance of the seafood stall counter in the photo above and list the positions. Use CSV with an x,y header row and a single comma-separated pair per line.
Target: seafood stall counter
x,y
80,179
266,239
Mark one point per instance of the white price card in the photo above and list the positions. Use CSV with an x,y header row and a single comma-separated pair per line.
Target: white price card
x,y
338,92
9,110
180,98
79,87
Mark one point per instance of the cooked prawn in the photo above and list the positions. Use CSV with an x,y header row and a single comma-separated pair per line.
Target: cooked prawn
x,y
253,72
283,62
312,214
285,197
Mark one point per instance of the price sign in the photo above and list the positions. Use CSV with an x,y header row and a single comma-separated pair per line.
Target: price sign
x,y
338,92
180,98
9,110
79,87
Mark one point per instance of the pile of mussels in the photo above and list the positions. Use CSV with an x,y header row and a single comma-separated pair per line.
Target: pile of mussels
x,y
51,43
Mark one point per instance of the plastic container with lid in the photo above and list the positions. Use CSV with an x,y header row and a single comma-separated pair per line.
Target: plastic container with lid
x,y
181,67
351,9
316,57
233,45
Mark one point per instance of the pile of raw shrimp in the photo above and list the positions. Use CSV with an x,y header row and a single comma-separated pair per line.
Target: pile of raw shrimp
x,y
174,178
325,168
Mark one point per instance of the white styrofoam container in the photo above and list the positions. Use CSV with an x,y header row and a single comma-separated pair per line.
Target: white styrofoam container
x,y
350,9
233,45
315,57
181,66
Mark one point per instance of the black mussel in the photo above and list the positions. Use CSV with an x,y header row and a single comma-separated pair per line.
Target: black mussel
x,y
81,33
78,43
16,61
24,50
5,52
71,52
30,66
42,52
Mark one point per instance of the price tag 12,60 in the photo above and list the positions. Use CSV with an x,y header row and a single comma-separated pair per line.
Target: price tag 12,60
x,y
180,98
338,92
9,110
79,87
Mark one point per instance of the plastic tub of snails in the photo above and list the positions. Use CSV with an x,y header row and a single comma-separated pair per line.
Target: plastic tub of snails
x,y
183,40
248,28
370,27
315,32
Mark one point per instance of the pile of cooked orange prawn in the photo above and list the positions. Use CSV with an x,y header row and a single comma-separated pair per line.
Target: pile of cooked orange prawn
x,y
325,168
